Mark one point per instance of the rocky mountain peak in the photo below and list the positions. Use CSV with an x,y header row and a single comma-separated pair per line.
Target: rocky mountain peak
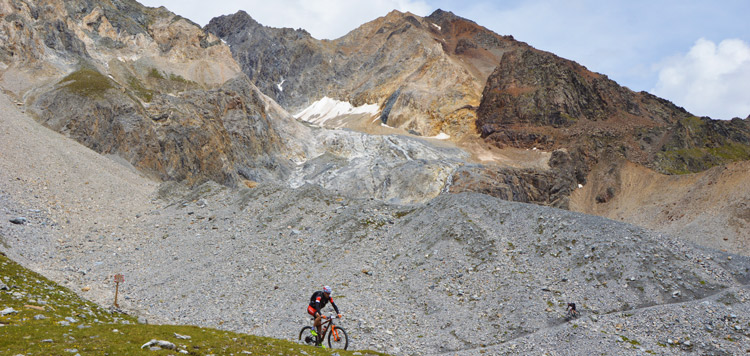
x,y
442,17
434,88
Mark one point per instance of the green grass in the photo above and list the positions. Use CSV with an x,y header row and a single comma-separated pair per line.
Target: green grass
x,y
154,73
97,331
181,80
702,149
690,160
140,90
87,82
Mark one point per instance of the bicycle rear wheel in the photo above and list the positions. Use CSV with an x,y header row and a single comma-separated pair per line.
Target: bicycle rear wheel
x,y
306,337
337,338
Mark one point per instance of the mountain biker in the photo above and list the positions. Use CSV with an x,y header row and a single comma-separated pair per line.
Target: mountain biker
x,y
318,301
572,312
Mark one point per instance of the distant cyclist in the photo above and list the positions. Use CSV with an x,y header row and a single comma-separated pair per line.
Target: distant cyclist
x,y
572,312
318,301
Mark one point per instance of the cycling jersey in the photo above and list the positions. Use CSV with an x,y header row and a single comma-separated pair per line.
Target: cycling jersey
x,y
319,300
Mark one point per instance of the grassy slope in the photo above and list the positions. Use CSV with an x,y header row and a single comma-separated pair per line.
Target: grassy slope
x,y
96,331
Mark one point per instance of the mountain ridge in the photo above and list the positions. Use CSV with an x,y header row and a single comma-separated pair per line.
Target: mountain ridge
x,y
429,58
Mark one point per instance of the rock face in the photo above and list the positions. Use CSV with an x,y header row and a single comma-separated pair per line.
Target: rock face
x,y
224,134
145,85
426,74
536,99
550,187
61,34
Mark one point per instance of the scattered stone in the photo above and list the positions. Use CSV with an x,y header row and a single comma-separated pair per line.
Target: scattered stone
x,y
182,337
86,289
159,344
19,221
7,311
35,307
39,317
71,350
47,341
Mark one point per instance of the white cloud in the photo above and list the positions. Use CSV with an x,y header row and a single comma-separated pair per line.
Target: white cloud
x,y
711,80
324,19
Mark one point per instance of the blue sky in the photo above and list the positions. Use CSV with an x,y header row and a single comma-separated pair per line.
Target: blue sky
x,y
695,53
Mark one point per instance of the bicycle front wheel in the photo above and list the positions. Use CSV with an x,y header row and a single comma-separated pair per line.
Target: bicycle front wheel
x,y
337,338
306,337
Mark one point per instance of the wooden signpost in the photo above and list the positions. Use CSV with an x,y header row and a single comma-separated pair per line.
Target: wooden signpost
x,y
118,279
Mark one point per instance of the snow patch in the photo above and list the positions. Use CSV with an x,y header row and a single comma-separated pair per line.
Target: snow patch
x,y
131,58
438,27
580,186
325,109
441,136
280,84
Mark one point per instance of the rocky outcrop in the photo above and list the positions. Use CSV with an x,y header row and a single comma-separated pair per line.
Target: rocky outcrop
x,y
223,134
536,99
58,35
426,74
148,86
696,144
551,187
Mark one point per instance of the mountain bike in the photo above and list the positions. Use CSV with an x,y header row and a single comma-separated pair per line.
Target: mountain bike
x,y
336,335
571,313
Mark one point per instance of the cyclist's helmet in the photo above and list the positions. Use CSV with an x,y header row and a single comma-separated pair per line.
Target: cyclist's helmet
x,y
327,289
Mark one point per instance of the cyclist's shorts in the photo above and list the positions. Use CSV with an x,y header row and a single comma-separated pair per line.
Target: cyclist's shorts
x,y
310,310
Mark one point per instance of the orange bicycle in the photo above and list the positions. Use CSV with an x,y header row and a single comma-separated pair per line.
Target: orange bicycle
x,y
336,335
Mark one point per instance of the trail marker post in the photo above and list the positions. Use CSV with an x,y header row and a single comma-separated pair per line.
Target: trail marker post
x,y
118,279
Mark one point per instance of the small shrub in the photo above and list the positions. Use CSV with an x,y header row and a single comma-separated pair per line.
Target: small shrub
x,y
154,73
87,82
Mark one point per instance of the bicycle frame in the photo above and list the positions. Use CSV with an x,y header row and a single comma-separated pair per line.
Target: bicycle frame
x,y
330,327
